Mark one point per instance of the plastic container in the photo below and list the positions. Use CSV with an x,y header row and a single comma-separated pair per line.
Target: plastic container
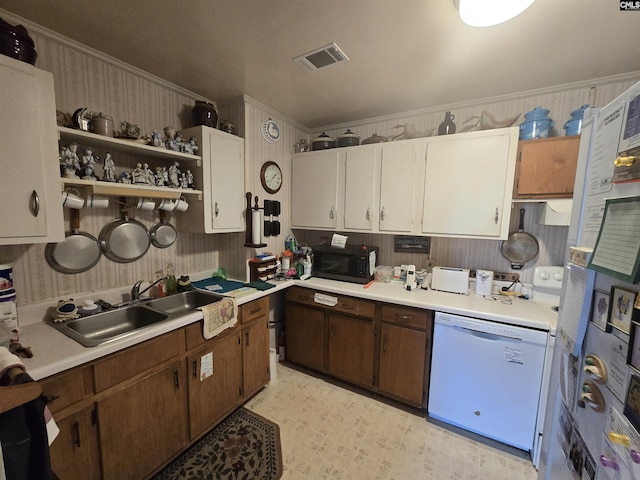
x,y
383,273
6,277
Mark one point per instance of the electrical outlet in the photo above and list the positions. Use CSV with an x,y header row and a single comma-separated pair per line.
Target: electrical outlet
x,y
499,276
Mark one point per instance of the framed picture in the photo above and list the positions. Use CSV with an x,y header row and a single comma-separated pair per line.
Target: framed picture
x,y
633,354
621,308
632,402
600,309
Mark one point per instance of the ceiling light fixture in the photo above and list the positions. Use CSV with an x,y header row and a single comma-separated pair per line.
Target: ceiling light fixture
x,y
485,13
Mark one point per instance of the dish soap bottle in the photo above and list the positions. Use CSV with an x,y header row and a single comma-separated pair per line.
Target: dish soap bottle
x,y
171,284
160,286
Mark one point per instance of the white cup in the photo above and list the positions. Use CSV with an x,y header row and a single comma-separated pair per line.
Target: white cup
x,y
72,200
181,205
97,201
166,204
146,204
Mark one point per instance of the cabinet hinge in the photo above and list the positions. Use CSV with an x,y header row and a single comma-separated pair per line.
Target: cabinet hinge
x,y
94,416
373,381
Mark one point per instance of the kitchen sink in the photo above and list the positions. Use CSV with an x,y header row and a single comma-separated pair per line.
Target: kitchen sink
x,y
183,302
117,323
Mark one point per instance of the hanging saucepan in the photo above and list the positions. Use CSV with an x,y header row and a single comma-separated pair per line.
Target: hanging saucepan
x,y
124,240
163,234
77,253
520,247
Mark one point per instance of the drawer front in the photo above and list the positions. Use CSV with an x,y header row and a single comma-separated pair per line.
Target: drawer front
x,y
347,305
194,335
121,366
408,317
252,310
64,389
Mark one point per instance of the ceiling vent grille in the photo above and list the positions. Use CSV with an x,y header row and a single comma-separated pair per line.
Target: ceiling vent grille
x,y
321,57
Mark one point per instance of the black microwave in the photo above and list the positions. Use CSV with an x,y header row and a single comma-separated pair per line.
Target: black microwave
x,y
350,264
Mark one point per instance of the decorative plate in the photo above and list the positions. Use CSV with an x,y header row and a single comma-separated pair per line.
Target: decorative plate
x,y
270,130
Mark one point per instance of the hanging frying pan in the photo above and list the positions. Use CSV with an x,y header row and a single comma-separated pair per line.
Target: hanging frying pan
x,y
520,247
124,240
77,253
163,234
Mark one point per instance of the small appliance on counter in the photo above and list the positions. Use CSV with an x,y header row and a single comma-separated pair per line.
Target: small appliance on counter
x,y
447,279
353,263
484,282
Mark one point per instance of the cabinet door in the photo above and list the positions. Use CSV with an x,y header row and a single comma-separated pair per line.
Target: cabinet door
x,y
222,181
402,363
398,180
314,190
74,452
546,167
215,376
468,184
255,355
362,188
28,156
304,333
143,425
351,349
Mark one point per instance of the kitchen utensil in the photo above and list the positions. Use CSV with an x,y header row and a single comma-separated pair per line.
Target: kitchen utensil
x,y
163,234
97,201
204,113
15,42
124,240
520,247
77,253
348,139
323,142
375,138
71,199
102,124
145,204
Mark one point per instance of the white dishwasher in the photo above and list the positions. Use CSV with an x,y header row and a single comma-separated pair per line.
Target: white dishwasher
x,y
486,377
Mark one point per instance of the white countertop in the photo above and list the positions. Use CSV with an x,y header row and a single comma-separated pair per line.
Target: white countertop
x,y
54,352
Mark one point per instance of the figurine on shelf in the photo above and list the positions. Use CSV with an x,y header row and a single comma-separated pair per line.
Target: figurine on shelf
x,y
137,174
156,139
165,177
189,179
157,176
150,178
88,164
170,142
190,146
70,161
109,168
174,175
125,177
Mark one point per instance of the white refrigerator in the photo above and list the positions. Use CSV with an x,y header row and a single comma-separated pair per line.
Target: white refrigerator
x,y
591,424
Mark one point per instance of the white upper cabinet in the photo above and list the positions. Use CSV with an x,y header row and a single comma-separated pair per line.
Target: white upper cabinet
x,y
468,184
362,188
314,190
222,180
30,185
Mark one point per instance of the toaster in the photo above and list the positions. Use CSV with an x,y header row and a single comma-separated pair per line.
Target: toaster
x,y
447,279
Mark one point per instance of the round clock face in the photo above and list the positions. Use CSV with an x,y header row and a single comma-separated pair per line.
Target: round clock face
x,y
270,130
271,177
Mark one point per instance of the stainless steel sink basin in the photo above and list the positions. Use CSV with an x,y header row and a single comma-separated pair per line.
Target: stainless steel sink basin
x,y
183,302
120,322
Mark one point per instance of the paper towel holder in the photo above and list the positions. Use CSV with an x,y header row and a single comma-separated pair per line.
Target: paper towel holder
x,y
248,214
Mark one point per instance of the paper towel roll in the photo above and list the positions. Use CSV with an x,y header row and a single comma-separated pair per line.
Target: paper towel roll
x,y
256,227
273,362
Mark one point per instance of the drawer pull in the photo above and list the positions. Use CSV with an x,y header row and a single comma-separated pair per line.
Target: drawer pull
x,y
255,310
176,379
51,398
195,369
246,339
384,344
403,317
346,306
76,434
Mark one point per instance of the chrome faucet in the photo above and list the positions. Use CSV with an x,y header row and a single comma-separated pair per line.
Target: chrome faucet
x,y
135,290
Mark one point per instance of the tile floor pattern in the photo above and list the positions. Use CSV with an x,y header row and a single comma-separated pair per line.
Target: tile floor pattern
x,y
329,432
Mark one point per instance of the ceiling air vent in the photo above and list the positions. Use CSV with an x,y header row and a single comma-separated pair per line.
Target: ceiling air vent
x,y
321,57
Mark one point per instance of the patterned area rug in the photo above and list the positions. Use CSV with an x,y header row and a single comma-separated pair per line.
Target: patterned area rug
x,y
243,446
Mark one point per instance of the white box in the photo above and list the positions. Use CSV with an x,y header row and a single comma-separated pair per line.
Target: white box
x,y
447,279
555,212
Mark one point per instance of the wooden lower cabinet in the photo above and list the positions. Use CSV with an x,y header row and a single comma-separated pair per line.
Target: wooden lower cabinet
x,y
351,349
74,452
305,332
255,356
143,425
215,381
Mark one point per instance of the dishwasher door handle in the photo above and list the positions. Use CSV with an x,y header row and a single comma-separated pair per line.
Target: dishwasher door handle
x,y
488,336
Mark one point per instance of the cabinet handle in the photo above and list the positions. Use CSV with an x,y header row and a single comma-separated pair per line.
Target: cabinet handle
x,y
331,214
346,306
303,297
382,214
34,204
331,336
176,379
384,344
368,214
246,339
195,369
255,310
496,217
403,317
76,434
51,398
216,210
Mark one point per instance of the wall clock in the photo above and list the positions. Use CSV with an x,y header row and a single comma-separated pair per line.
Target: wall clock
x,y
271,177
270,130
